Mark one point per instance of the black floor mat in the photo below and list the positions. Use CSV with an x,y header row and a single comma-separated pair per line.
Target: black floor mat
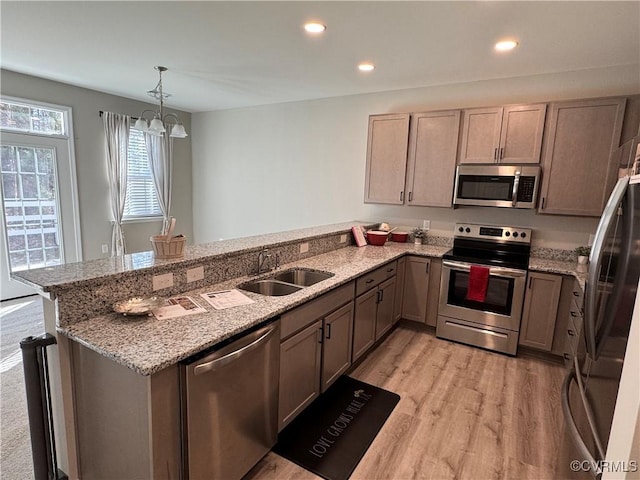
x,y
332,434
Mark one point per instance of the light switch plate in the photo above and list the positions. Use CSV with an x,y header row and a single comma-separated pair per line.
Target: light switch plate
x,y
304,247
426,224
343,238
162,281
195,274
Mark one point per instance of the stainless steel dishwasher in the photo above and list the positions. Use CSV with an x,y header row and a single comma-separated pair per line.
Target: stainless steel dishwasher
x,y
230,406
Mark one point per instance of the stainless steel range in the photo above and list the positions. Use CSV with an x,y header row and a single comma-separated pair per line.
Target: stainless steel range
x,y
482,286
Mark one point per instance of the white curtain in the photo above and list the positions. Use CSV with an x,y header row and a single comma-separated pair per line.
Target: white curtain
x,y
116,129
160,151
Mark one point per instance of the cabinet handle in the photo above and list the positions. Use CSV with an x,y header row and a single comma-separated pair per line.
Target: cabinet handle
x,y
567,356
573,314
328,331
575,294
542,203
529,287
495,153
389,270
321,335
427,269
571,333
501,153
381,295
369,281
402,196
410,196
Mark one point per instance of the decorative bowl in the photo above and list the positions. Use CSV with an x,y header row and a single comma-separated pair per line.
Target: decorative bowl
x,y
138,306
377,237
400,237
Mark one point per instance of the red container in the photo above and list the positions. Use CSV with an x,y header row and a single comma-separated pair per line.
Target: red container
x,y
400,237
377,237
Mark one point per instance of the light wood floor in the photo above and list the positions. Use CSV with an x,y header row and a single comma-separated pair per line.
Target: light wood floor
x,y
464,413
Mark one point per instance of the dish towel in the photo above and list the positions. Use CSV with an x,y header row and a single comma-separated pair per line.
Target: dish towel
x,y
478,281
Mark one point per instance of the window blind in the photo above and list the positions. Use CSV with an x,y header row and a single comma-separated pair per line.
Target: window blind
x,y
141,200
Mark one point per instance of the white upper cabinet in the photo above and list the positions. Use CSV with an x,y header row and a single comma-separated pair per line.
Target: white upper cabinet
x,y
511,134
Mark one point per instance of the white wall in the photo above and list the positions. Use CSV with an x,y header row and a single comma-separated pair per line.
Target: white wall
x,y
293,165
93,186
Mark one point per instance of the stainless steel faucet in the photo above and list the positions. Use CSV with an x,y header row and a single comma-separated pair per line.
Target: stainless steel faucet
x,y
268,262
263,261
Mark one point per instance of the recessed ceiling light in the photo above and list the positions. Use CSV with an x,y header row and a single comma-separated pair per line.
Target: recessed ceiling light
x,y
366,67
506,45
315,27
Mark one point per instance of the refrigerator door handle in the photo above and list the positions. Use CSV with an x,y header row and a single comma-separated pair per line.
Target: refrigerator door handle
x,y
595,260
571,424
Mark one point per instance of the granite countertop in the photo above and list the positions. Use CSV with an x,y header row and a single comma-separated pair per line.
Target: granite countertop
x,y
72,274
558,266
148,345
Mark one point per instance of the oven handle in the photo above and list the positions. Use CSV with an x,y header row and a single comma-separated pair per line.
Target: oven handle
x,y
495,271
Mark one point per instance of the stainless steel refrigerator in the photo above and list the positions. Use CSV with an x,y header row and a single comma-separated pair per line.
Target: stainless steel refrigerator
x,y
591,386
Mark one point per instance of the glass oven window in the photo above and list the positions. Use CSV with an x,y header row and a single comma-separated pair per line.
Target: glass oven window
x,y
498,299
483,187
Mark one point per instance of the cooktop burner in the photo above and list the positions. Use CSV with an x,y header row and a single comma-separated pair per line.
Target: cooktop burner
x,y
491,245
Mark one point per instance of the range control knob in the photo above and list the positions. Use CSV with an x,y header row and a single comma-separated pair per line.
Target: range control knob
x,y
515,234
523,234
468,230
461,229
507,233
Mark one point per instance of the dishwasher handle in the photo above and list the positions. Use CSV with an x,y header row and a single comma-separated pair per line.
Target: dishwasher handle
x,y
230,357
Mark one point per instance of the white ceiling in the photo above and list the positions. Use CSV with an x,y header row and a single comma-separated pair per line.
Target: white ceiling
x,y
233,54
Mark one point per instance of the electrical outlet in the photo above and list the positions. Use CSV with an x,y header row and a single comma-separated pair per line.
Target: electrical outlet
x,y
162,281
343,238
195,274
304,247
105,248
426,224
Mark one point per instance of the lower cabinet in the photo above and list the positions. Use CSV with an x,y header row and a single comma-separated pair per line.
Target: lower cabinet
x,y
416,287
336,344
300,362
374,316
315,349
397,303
540,310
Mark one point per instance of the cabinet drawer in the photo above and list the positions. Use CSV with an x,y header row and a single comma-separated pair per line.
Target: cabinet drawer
x,y
374,278
298,318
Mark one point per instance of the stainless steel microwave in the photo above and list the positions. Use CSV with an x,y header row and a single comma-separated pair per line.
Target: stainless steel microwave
x,y
513,186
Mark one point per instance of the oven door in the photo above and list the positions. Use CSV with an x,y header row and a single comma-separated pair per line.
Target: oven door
x,y
502,306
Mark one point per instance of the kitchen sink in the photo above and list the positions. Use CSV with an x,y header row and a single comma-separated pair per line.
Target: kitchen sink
x,y
302,277
286,283
273,288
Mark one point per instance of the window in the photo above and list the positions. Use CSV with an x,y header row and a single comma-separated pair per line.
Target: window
x,y
19,117
141,200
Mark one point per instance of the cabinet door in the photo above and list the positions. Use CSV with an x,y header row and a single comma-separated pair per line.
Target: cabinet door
x,y
540,310
397,302
480,135
336,352
521,133
416,286
579,173
433,147
386,158
386,298
299,372
364,323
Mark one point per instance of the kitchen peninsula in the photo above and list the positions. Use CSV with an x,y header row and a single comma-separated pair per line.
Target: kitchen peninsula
x,y
117,378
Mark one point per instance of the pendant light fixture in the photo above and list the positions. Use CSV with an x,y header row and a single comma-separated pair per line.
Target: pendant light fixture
x,y
160,122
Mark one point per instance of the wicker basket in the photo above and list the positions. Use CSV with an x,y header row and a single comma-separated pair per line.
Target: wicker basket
x,y
171,249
